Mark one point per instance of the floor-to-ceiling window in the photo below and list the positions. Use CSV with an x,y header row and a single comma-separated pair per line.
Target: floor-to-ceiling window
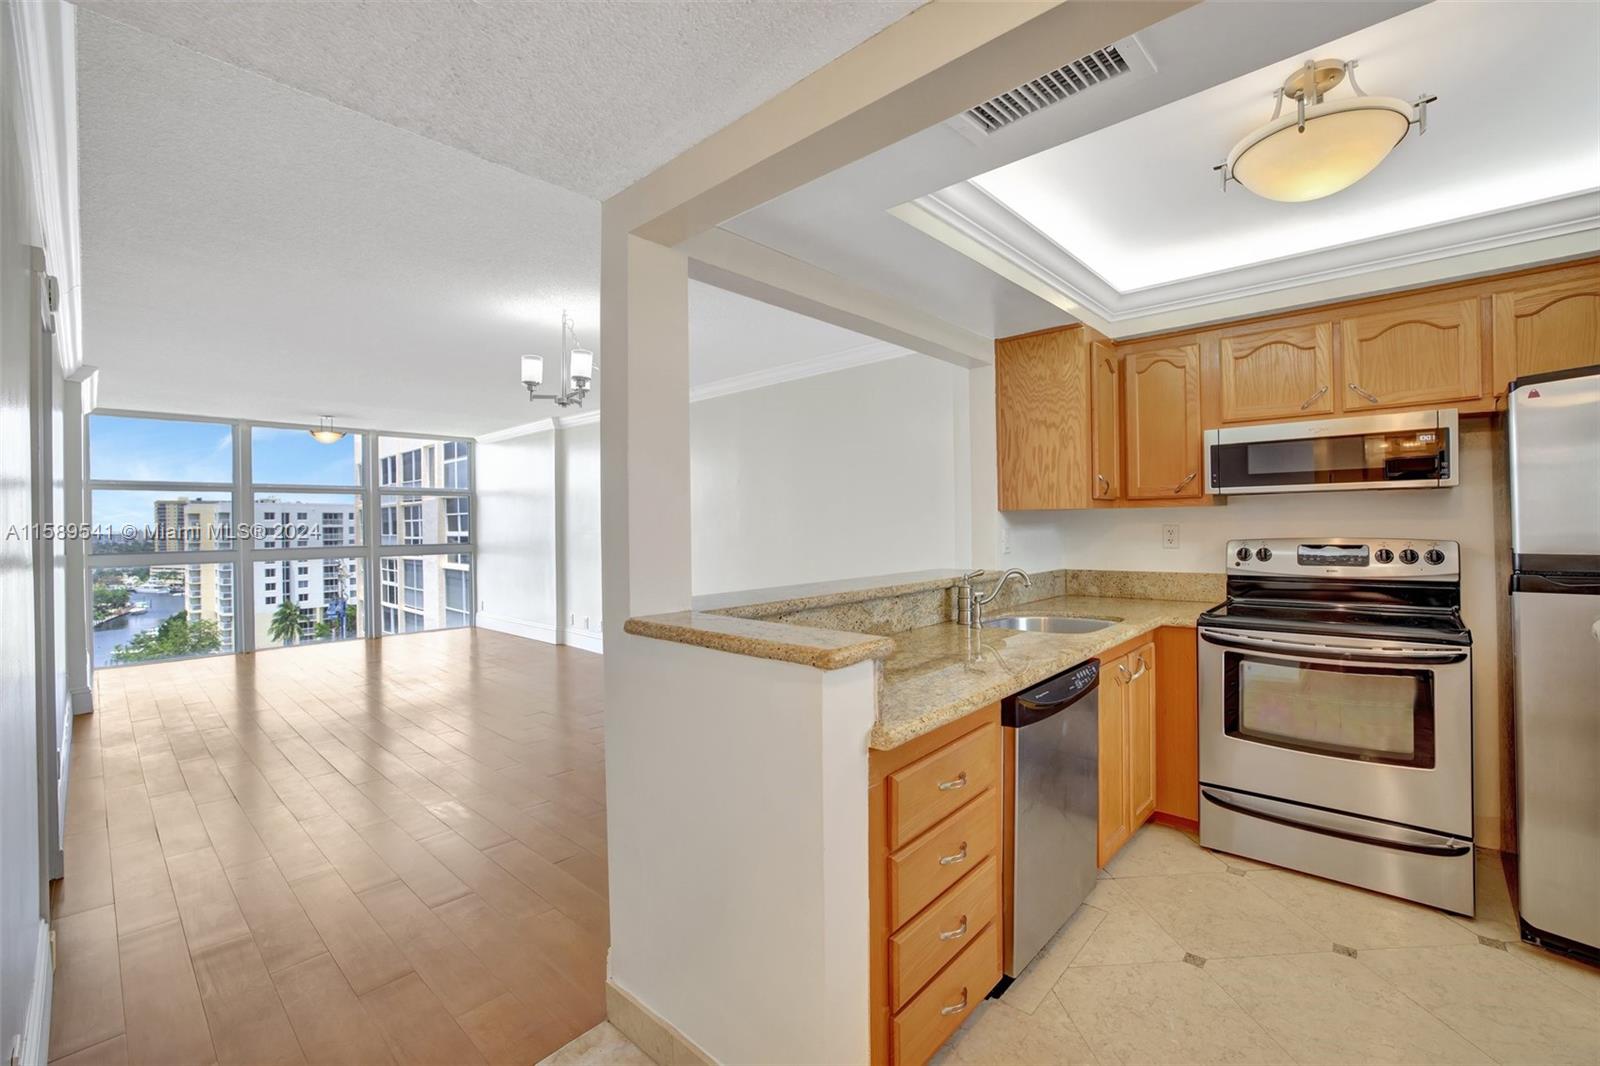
x,y
211,537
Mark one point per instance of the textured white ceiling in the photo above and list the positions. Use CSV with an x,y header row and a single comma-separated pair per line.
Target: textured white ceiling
x,y
1138,203
252,251
589,96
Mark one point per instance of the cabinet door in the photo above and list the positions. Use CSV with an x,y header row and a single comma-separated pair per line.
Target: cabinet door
x,y
1161,391
1106,370
1430,353
1114,827
1277,373
1042,418
1141,735
1555,326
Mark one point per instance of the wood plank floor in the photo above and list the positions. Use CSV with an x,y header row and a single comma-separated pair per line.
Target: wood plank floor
x,y
369,852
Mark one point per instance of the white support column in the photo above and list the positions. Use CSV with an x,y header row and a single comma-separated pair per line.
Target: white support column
x,y
644,335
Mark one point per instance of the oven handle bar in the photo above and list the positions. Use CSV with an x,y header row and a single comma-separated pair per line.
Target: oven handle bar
x,y
1345,827
1437,656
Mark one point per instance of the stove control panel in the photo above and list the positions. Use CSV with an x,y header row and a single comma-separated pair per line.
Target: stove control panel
x,y
1388,559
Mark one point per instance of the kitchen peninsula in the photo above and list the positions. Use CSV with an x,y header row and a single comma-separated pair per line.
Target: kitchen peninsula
x,y
908,719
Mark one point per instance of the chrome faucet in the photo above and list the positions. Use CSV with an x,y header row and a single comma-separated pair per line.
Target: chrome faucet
x,y
979,602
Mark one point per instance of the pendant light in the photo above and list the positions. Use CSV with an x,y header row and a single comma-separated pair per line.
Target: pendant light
x,y
325,433
577,370
1325,146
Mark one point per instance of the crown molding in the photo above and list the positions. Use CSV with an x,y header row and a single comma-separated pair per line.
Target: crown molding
x,y
543,425
848,359
974,223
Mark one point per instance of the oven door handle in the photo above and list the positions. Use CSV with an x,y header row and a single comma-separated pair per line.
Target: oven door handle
x,y
1432,656
1334,824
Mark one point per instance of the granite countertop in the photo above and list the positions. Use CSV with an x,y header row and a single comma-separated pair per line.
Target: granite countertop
x,y
937,674
825,649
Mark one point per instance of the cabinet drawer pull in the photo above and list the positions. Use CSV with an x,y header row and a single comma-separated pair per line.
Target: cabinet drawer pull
x,y
1105,482
959,782
951,860
1143,667
1124,677
1185,482
1315,396
955,1008
1363,393
958,932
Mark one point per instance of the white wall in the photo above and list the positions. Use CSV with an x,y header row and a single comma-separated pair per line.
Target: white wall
x,y
516,534
578,474
847,474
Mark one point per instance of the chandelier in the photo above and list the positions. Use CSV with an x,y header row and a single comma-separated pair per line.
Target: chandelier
x,y
577,370
1326,145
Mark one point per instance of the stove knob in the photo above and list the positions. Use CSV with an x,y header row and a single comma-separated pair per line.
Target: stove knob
x,y
1263,554
1408,555
1434,556
1243,555
1383,555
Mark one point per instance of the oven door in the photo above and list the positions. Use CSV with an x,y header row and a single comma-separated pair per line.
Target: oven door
x,y
1376,728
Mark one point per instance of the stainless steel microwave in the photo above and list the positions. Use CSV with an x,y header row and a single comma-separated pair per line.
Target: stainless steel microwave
x,y
1407,450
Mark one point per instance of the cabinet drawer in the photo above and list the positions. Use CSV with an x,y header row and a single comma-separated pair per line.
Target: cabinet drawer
x,y
938,1010
927,791
936,936
943,855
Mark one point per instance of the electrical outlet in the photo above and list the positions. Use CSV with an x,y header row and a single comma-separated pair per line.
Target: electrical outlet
x,y
1005,541
1169,536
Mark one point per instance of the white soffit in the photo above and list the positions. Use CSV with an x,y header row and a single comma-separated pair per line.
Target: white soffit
x,y
1130,221
588,96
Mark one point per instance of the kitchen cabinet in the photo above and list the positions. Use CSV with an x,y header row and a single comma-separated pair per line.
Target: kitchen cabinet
x,y
935,848
1423,354
1547,324
1127,746
1042,421
1277,373
1106,402
1161,410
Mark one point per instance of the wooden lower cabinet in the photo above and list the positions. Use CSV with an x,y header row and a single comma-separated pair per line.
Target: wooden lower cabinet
x,y
1127,744
935,856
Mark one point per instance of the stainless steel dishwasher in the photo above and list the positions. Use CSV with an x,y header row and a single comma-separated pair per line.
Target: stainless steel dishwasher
x,y
1053,732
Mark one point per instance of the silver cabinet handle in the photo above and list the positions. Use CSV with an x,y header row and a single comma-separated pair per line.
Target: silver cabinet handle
x,y
1363,393
1123,670
951,860
1315,396
959,782
958,933
1182,484
955,1008
1104,481
1143,669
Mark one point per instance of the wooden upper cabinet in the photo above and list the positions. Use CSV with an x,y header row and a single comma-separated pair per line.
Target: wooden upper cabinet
x,y
1042,421
1285,372
1410,355
1106,383
1552,326
1161,408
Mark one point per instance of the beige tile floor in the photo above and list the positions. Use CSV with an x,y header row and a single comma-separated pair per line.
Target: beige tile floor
x,y
1184,955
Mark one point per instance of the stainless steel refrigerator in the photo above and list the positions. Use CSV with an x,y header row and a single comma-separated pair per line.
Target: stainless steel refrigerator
x,y
1554,431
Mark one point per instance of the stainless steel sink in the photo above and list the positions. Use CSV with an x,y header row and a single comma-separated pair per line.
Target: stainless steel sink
x,y
1047,623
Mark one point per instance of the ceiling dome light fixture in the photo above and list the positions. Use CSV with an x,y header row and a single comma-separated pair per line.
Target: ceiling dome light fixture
x,y
1325,146
325,433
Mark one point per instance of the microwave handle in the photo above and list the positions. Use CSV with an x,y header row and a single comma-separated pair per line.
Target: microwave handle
x,y
1334,824
1327,651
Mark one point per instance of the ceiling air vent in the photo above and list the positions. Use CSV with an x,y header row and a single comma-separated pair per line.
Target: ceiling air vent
x,y
1086,72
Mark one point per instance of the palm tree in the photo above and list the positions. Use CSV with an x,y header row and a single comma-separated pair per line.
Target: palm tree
x,y
285,627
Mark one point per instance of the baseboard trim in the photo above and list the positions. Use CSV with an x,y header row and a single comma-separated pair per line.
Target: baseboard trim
x,y
518,627
35,1047
651,1033
587,639
82,700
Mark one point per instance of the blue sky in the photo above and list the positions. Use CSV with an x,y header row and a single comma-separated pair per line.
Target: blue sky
x,y
154,449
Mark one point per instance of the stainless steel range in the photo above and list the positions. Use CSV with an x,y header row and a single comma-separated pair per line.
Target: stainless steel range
x,y
1336,715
